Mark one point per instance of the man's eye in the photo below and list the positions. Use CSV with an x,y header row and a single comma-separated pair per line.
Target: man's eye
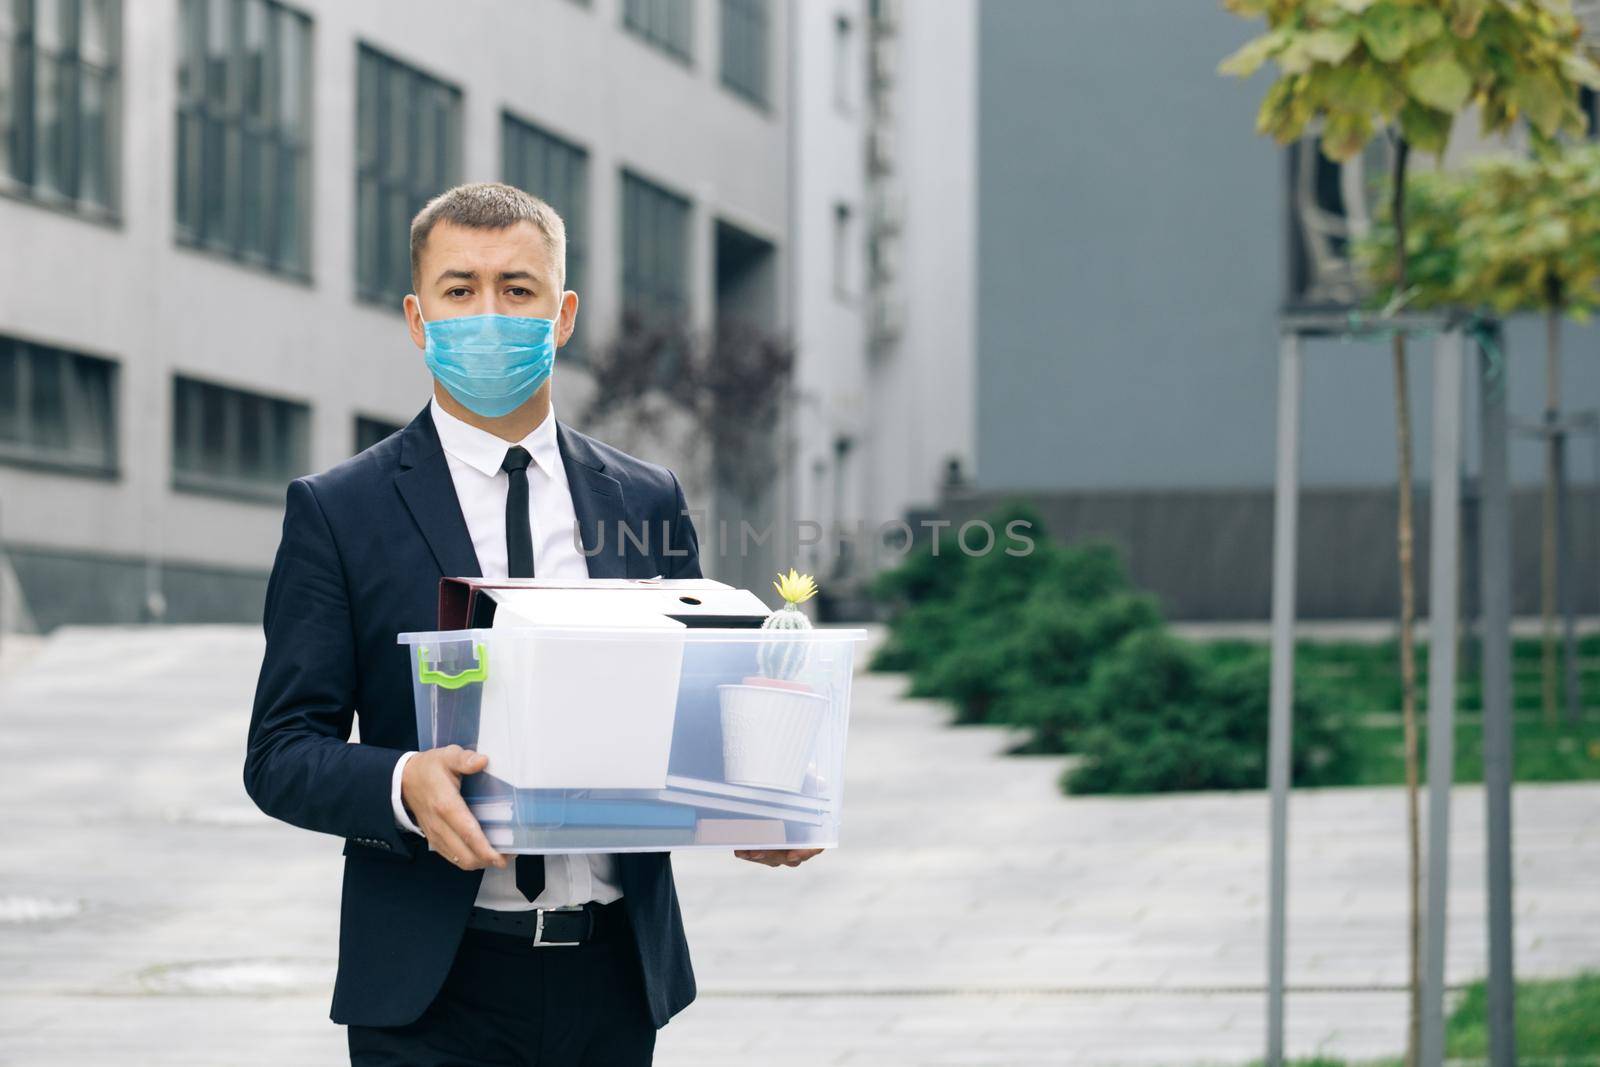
x,y
517,290
459,290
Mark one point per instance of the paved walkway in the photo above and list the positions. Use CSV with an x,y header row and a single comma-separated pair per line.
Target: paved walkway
x,y
972,915
1365,631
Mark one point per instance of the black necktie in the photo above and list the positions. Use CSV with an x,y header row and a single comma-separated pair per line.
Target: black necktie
x,y
519,564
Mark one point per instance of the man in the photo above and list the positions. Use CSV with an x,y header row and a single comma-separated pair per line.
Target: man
x,y
437,961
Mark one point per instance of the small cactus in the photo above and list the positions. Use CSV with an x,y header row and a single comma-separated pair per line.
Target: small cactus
x,y
783,660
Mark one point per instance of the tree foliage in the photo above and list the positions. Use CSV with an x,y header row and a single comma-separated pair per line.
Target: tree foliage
x,y
1504,234
1433,212
1530,233
1411,65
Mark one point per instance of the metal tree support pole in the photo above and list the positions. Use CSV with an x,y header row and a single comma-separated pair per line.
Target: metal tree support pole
x,y
1444,508
1494,539
1284,552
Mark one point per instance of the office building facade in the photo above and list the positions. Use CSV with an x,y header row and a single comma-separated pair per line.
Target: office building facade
x,y
205,209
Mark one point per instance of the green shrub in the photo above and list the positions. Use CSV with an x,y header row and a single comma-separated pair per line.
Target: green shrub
x,y
935,595
930,571
1021,633
1164,718
1059,642
978,631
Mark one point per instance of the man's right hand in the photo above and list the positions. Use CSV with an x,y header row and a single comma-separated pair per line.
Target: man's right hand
x,y
430,787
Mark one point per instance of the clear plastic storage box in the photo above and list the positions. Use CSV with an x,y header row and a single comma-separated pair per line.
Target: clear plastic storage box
x,y
619,739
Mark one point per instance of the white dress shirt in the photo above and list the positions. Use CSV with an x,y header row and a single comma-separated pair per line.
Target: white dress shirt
x,y
474,457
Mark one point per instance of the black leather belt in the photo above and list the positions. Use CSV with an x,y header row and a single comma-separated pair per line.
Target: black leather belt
x,y
546,927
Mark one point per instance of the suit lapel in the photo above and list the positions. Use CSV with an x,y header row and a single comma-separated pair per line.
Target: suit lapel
x,y
430,495
597,504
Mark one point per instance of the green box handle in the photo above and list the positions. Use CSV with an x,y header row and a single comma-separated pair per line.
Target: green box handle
x,y
433,676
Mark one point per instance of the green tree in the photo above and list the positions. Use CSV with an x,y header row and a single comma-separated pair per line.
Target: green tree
x,y
1509,234
1531,234
1409,67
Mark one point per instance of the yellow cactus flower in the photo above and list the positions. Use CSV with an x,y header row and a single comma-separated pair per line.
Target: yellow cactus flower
x,y
795,588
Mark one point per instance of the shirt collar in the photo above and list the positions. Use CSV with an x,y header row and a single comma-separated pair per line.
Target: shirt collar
x,y
484,452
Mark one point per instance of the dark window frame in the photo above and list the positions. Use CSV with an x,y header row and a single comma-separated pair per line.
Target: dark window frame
x,y
234,121
667,25
639,192
83,383
370,429
281,445
401,187
745,31
520,141
53,175
656,287
847,80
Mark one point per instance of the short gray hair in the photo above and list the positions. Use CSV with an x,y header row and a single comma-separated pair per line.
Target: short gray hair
x,y
490,206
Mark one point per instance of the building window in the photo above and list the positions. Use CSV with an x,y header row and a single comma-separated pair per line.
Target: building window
x,y
744,48
844,64
655,251
1330,206
844,249
239,443
557,172
59,102
667,24
57,408
244,132
408,150
369,431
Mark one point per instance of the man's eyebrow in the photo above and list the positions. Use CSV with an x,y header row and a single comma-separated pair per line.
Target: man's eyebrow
x,y
472,275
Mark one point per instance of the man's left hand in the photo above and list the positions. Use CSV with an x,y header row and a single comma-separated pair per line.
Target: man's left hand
x,y
777,857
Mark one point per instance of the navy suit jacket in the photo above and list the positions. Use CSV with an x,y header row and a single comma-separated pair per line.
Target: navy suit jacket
x,y
364,546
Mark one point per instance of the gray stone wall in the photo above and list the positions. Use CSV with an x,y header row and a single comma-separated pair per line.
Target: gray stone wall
x,y
65,587
1208,553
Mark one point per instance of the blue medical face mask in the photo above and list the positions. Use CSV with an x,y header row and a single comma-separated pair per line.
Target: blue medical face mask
x,y
491,363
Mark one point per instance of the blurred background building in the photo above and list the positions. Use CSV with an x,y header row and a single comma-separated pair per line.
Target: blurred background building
x,y
206,218
1020,247
885,323
1137,242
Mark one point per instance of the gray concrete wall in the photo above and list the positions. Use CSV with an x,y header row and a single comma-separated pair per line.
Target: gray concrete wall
x,y
1208,554
1131,263
77,587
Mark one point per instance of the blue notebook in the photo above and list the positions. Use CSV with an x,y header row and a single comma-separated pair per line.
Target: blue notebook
x,y
560,811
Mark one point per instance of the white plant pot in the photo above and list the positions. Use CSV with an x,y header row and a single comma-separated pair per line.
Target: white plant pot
x,y
769,735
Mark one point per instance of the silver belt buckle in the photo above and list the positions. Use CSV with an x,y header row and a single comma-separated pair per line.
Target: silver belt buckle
x,y
538,926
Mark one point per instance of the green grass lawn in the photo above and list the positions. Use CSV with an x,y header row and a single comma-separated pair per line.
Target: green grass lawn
x,y
1559,1018
1558,1023
1363,682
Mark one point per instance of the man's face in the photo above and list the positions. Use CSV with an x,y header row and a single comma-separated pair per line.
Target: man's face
x,y
488,272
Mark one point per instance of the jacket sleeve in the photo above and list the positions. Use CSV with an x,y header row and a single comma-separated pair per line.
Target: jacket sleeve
x,y
299,765
682,558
